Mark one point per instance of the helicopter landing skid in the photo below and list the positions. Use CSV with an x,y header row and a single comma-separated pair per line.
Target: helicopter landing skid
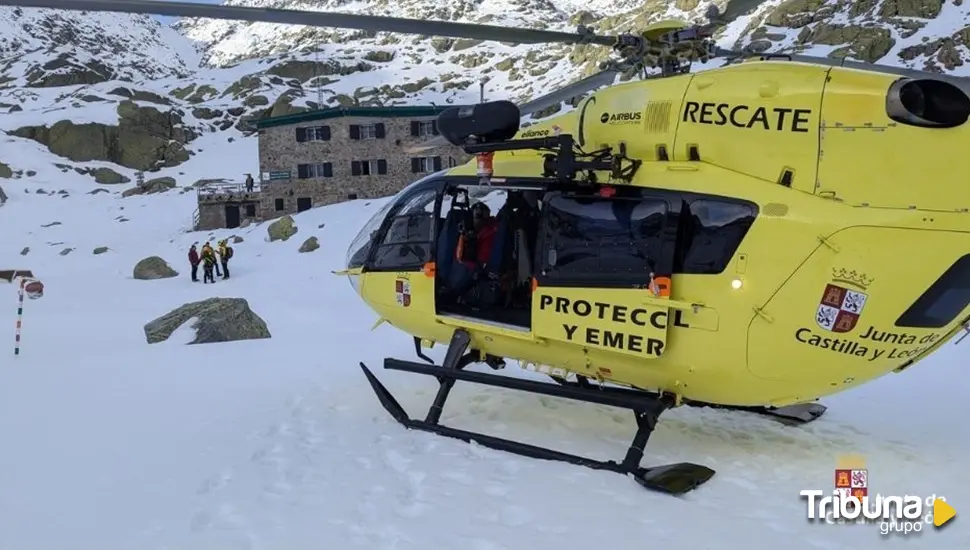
x,y
674,479
791,415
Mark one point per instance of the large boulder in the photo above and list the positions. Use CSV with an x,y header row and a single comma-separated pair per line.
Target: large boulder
x,y
153,267
144,139
216,320
282,229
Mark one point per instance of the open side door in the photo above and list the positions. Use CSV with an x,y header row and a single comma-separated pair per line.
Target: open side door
x,y
604,276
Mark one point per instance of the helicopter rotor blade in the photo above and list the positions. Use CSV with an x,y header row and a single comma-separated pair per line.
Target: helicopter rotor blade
x,y
322,19
578,88
961,82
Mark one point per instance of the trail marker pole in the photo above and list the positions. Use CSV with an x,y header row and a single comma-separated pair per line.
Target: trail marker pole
x,y
20,315
33,289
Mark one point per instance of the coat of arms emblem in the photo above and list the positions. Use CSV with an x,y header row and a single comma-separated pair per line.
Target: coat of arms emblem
x,y
840,308
402,288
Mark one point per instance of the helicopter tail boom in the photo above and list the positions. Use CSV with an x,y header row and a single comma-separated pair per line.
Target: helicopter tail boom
x,y
672,479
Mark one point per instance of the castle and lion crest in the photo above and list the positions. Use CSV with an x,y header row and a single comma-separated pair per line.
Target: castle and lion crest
x,y
843,300
851,477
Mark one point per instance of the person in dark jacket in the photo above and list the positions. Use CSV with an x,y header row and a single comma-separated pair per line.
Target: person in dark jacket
x,y
194,262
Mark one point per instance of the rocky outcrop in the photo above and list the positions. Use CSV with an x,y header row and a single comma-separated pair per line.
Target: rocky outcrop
x,y
152,268
214,320
144,139
152,186
282,229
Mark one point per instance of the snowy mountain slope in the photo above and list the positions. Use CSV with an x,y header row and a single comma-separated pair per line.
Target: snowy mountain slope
x,y
115,444
49,48
125,94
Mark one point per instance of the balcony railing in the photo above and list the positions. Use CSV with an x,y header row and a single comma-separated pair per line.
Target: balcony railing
x,y
221,189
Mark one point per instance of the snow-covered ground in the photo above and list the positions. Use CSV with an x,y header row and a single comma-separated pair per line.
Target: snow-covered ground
x,y
114,444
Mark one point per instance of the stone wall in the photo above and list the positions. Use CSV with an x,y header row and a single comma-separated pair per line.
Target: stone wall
x,y
279,151
212,212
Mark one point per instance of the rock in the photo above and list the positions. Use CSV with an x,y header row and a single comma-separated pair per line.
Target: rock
x,y
66,251
152,186
237,240
25,251
52,224
67,70
108,176
5,171
310,245
379,56
100,250
218,320
152,268
282,229
144,139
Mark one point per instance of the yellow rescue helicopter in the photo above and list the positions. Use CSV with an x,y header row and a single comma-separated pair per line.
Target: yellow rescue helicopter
x,y
754,236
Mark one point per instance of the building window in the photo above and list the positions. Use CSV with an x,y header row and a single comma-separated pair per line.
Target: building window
x,y
278,204
313,133
368,167
943,301
367,131
451,162
425,164
424,128
319,170
250,210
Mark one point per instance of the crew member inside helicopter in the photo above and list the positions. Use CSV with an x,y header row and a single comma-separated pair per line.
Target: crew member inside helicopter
x,y
484,227
496,256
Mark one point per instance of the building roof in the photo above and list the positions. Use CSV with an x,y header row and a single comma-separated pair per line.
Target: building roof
x,y
339,112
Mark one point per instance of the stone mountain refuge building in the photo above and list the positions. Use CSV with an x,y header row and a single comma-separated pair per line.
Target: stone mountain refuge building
x,y
327,156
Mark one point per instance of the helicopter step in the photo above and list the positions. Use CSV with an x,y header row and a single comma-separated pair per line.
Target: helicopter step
x,y
672,479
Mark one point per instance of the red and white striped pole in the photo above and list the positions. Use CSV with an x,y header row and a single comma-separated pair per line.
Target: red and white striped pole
x,y
20,315
33,289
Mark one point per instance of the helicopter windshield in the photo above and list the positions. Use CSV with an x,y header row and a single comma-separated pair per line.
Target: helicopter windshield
x,y
360,247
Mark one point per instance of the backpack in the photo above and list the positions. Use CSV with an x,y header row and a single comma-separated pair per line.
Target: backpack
x,y
228,252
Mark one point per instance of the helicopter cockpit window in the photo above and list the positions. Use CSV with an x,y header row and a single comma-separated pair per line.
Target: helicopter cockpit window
x,y
712,234
407,242
602,236
360,247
